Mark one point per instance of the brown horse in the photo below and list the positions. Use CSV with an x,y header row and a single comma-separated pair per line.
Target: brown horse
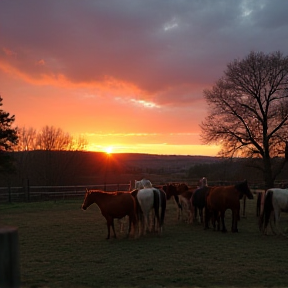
x,y
171,191
185,193
113,205
221,198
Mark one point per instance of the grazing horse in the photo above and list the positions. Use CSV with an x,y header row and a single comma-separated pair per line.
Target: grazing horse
x,y
144,183
148,199
113,205
221,198
275,202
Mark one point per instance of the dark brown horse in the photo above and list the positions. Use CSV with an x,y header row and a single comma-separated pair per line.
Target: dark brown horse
x,y
221,198
113,205
198,201
170,190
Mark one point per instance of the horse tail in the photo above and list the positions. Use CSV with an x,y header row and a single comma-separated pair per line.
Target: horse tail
x,y
163,206
138,206
267,209
176,197
157,203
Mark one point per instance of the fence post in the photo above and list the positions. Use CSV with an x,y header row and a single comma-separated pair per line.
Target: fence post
x,y
9,193
9,258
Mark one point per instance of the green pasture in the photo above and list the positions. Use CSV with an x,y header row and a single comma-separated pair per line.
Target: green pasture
x,y
63,246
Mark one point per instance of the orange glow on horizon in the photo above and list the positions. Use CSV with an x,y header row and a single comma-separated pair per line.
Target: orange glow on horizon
x,y
157,149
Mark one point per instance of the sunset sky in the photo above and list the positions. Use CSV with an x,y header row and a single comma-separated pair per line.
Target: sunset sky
x,y
128,74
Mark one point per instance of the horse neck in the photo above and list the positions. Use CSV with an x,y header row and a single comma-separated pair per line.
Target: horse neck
x,y
97,197
204,182
242,189
182,188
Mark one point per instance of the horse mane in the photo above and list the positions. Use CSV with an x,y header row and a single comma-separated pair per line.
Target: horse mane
x,y
115,193
239,186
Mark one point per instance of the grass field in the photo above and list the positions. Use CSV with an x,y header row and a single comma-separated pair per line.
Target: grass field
x,y
63,246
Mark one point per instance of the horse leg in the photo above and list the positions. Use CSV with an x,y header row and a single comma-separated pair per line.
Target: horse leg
x,y
201,215
244,207
195,210
146,223
214,219
108,228
276,221
272,219
113,228
222,217
207,218
235,216
129,227
141,223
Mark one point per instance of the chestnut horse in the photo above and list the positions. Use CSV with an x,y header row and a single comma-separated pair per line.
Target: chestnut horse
x,y
113,205
221,198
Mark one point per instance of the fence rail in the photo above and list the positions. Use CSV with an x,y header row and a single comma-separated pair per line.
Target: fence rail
x,y
42,193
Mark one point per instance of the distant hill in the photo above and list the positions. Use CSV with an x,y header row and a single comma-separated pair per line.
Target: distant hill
x,y
79,167
62,168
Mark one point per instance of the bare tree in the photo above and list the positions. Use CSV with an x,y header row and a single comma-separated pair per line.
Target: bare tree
x,y
27,139
51,138
48,138
248,111
54,162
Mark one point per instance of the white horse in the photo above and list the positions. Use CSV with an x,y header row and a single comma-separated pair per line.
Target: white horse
x,y
151,199
275,202
144,183
203,182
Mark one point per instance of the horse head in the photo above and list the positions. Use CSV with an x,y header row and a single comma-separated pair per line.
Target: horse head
x,y
170,190
243,188
86,204
203,182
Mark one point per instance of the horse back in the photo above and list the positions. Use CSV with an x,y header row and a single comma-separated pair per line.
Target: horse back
x,y
118,205
280,199
223,197
199,196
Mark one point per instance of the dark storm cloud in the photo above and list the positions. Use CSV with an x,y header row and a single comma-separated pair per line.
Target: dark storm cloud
x,y
170,50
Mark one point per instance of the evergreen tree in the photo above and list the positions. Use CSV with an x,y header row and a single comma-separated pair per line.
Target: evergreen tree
x,y
8,138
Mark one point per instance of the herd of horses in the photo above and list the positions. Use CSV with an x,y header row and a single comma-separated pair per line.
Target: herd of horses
x,y
145,205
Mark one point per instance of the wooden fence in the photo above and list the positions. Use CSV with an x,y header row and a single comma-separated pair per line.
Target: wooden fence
x,y
42,193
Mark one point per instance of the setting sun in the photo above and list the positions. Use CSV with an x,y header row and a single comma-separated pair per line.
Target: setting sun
x,y
109,150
